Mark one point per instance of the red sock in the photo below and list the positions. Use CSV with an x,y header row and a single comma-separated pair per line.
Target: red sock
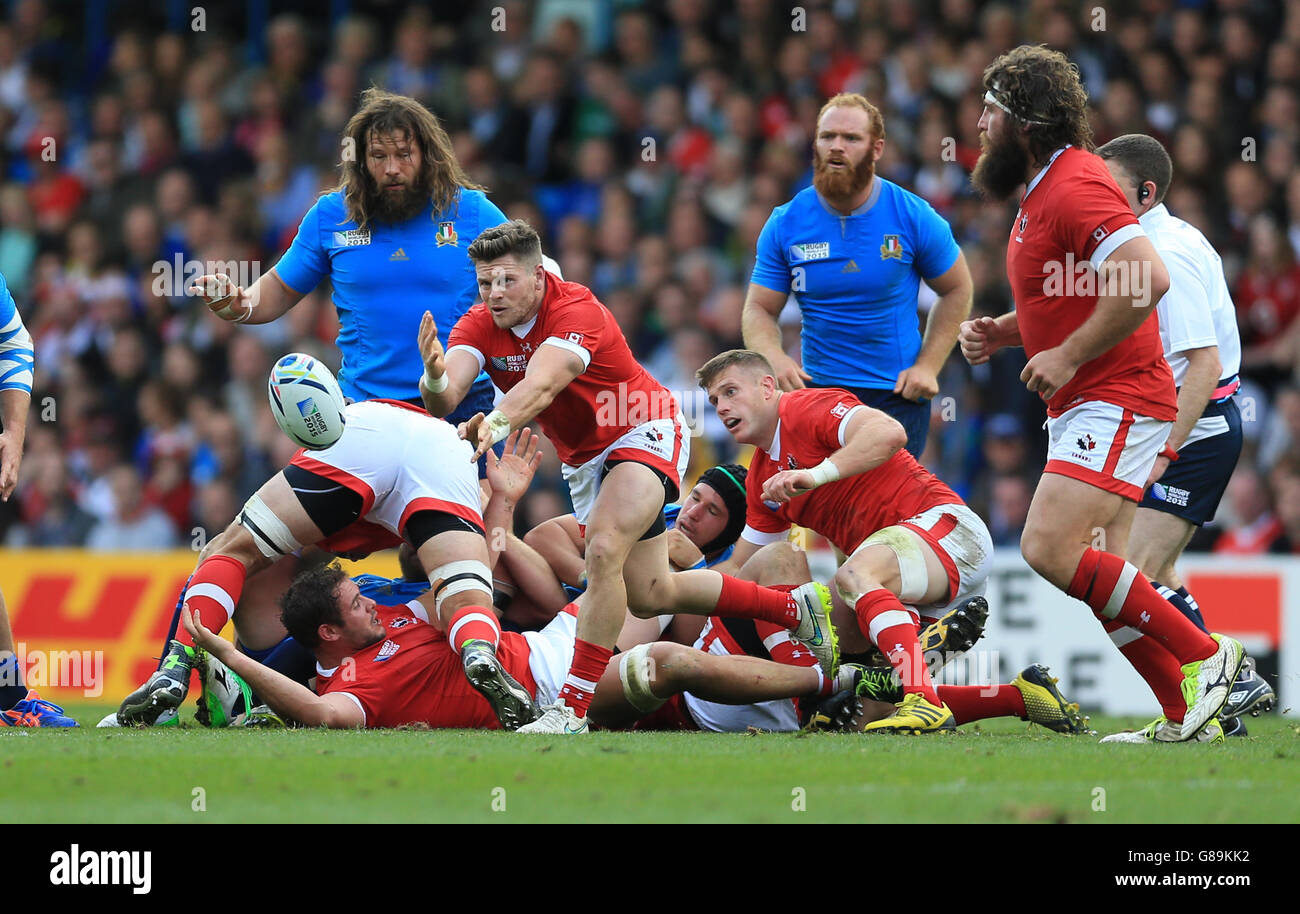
x,y
1116,590
589,662
884,619
473,623
746,600
213,594
1157,666
968,703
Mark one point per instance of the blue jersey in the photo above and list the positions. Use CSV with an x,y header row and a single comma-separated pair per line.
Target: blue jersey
x,y
390,591
384,279
856,279
17,357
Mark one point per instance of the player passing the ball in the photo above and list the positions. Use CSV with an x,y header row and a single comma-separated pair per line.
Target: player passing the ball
x,y
560,358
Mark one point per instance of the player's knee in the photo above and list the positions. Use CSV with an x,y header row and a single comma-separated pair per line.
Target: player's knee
x,y
650,601
605,552
638,671
781,563
670,666
1050,558
237,543
851,583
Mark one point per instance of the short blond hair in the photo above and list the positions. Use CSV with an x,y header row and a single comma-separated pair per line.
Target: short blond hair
x,y
856,100
746,358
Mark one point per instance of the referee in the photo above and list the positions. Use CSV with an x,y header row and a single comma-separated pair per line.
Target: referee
x,y
392,240
853,249
1198,330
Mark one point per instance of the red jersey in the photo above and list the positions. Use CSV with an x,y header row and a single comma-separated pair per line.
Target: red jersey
x,y
1071,215
412,675
809,429
612,396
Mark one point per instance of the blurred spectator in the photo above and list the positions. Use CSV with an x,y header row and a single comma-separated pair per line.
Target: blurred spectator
x,y
134,525
1256,528
212,146
1268,301
50,514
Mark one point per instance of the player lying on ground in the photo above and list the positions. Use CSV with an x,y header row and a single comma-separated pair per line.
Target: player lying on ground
x,y
827,462
389,667
704,531
395,473
561,358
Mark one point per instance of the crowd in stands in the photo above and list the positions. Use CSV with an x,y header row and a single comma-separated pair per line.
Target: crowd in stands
x,y
648,142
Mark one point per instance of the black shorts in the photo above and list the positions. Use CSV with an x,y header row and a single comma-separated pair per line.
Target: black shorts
x,y
1194,484
671,493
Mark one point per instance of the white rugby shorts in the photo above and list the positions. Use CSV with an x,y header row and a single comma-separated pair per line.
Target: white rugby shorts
x,y
660,443
1106,446
400,460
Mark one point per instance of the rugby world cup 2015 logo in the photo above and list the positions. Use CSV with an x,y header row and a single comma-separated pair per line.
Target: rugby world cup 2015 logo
x,y
311,417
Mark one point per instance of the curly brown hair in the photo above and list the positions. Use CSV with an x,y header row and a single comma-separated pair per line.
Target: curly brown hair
x,y
383,113
1042,88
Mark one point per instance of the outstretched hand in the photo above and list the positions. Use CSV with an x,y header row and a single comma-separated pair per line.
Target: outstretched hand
x,y
435,365
512,472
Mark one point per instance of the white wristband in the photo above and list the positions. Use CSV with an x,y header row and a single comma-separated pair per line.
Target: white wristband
x,y
824,472
434,385
499,422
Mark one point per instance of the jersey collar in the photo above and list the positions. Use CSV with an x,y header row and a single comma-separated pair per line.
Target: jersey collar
x,y
1154,216
522,330
872,197
1038,177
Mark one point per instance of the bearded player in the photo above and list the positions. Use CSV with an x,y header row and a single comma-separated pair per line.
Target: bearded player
x,y
1095,358
560,358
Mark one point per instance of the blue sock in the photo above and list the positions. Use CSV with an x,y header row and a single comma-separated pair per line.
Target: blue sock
x,y
12,689
1184,602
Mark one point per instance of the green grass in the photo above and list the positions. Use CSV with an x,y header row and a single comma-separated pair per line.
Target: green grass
x,y
1000,771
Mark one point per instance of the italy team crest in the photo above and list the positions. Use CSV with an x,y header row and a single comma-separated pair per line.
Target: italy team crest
x,y
891,248
446,233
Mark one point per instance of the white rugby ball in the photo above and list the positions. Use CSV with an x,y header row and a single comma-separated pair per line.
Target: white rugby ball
x,y
306,401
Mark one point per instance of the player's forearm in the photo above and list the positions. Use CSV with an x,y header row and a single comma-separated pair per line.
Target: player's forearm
x,y
442,404
1115,318
760,331
556,547
14,404
286,697
1198,383
943,327
269,299
528,398
532,575
870,445
498,521
1009,329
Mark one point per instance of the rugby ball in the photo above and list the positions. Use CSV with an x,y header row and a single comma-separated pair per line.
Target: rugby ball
x,y
306,401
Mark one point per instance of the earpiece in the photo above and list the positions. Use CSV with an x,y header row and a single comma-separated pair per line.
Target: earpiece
x,y
1143,193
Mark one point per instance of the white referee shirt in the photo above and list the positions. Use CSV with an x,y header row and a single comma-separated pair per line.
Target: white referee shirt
x,y
1197,310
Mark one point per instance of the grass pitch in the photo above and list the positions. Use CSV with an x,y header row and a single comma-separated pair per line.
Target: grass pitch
x,y
998,771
